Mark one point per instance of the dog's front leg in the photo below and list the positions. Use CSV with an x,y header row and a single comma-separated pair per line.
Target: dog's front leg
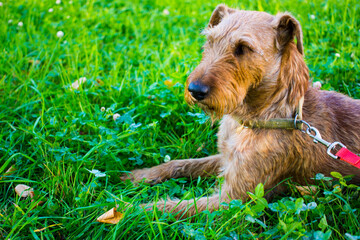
x,y
243,172
177,168
246,169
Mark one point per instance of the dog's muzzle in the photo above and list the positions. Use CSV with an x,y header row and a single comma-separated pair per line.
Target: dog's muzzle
x,y
198,90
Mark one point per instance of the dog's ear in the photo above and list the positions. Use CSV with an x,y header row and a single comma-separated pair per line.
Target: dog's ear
x,y
218,14
287,27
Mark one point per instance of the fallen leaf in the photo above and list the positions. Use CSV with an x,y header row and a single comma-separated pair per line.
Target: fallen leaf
x,y
306,190
9,171
111,216
24,191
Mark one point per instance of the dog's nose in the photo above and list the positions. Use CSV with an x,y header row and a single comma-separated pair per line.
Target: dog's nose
x,y
198,90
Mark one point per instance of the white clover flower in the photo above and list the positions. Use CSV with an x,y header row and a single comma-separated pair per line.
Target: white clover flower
x,y
312,17
60,34
97,173
116,116
167,158
75,85
317,85
337,54
10,21
20,24
67,17
70,2
102,109
166,12
65,42
50,10
1,4
58,2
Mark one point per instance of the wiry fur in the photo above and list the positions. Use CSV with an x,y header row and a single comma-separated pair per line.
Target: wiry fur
x,y
266,81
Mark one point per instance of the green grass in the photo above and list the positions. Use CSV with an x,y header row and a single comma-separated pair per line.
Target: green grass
x,y
127,50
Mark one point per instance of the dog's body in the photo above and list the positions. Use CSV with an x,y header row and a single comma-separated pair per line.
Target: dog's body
x,y
252,69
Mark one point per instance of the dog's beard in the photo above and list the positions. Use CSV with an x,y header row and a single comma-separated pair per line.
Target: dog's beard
x,y
210,112
219,104
216,110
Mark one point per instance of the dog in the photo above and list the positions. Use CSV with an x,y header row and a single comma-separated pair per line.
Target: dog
x,y
253,70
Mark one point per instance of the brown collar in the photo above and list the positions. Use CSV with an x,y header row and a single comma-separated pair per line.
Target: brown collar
x,y
277,123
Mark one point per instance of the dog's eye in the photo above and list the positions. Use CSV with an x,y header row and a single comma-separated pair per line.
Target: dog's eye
x,y
239,50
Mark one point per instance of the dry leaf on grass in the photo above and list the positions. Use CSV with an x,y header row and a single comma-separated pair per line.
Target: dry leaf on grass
x,y
9,171
24,191
306,190
111,216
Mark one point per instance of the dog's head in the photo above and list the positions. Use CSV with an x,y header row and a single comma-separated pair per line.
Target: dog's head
x,y
249,60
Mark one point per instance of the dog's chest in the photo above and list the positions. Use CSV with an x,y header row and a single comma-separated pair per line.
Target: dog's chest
x,y
233,138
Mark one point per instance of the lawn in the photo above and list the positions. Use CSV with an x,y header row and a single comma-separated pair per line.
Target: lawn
x,y
135,56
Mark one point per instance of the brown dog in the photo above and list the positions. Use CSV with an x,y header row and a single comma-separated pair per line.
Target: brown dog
x,y
252,69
